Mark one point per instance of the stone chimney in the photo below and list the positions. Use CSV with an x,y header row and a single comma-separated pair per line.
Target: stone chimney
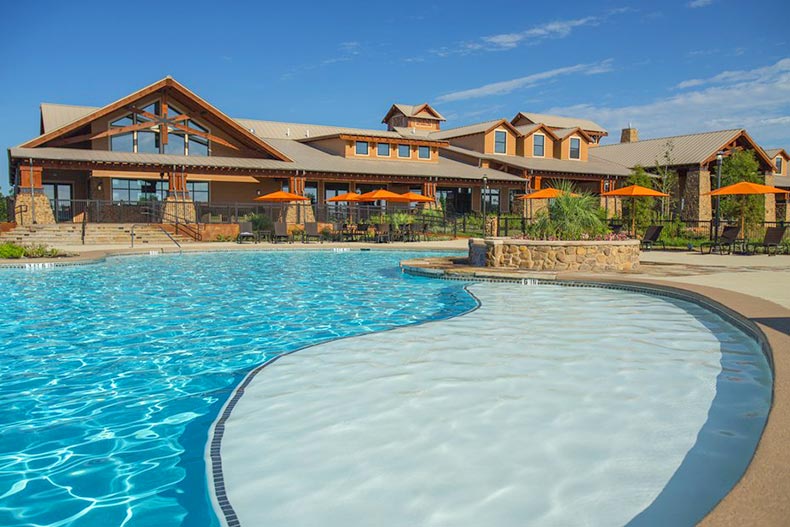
x,y
629,135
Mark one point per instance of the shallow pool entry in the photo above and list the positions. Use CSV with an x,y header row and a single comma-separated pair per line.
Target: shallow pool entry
x,y
548,405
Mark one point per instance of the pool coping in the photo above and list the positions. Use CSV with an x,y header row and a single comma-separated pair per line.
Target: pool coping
x,y
760,495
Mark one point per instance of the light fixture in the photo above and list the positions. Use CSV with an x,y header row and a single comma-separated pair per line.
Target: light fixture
x,y
258,191
98,187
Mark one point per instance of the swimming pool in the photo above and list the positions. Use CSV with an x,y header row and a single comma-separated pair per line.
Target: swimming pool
x,y
112,374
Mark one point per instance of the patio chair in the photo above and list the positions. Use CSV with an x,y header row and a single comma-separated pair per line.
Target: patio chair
x,y
311,231
245,232
727,240
651,237
383,233
773,238
362,231
281,232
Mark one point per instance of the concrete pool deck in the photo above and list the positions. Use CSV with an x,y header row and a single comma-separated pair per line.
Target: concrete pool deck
x,y
756,287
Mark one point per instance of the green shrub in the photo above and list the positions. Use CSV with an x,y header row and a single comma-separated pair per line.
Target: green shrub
x,y
260,222
224,238
570,217
9,250
40,251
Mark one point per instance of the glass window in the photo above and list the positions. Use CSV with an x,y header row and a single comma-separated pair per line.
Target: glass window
x,y
491,197
575,148
383,150
362,148
148,142
778,165
126,120
122,142
404,151
197,146
176,143
198,190
500,142
311,190
424,152
538,145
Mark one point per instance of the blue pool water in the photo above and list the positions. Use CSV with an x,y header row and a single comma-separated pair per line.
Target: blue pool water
x,y
112,373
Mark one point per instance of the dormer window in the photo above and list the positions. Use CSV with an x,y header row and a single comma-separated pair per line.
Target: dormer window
x,y
576,148
778,165
383,149
424,152
362,148
538,145
500,142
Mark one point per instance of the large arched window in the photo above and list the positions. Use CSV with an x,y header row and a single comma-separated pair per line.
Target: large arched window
x,y
150,141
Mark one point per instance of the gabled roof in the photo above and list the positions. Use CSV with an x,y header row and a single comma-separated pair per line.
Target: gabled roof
x,y
562,133
558,121
413,110
692,149
477,128
543,165
243,134
774,152
528,129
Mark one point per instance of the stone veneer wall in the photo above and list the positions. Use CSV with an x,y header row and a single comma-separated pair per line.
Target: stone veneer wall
x,y
43,209
539,255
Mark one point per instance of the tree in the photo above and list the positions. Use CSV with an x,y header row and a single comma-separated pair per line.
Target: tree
x,y
3,207
742,166
668,180
640,208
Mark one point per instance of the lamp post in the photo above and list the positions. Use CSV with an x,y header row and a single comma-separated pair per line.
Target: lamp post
x,y
719,157
483,200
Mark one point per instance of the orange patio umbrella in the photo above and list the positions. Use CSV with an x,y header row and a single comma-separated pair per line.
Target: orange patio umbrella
x,y
745,188
416,198
349,197
281,197
546,193
382,195
634,191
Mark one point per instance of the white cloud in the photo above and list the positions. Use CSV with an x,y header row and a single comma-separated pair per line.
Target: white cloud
x,y
699,3
530,36
508,86
758,100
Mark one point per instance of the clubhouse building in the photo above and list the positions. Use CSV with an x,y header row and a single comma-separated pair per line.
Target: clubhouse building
x,y
166,143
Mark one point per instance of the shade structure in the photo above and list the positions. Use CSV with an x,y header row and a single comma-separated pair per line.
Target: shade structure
x,y
417,198
546,193
382,195
744,188
281,197
351,197
634,191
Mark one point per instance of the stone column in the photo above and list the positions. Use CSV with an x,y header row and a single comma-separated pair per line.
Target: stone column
x,y
696,205
31,205
770,200
178,204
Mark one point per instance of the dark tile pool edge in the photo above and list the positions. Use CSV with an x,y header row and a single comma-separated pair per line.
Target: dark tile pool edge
x,y
217,490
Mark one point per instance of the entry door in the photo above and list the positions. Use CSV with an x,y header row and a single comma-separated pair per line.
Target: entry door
x,y
59,195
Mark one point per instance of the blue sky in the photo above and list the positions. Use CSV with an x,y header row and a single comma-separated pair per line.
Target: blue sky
x,y
669,67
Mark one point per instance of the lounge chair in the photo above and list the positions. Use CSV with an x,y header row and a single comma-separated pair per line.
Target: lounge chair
x,y
651,237
362,231
773,238
245,232
727,240
311,231
281,232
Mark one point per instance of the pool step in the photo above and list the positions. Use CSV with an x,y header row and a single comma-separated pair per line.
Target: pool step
x,y
95,234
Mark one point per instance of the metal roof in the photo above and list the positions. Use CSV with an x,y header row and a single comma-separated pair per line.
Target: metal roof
x,y
773,152
412,110
460,131
558,121
782,181
691,149
54,116
596,167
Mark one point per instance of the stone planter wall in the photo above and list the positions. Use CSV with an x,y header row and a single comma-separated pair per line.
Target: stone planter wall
x,y
555,256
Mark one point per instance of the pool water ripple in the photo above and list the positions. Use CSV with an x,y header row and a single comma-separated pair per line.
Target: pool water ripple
x,y
112,374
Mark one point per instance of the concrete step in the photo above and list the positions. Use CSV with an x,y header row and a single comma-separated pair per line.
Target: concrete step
x,y
95,234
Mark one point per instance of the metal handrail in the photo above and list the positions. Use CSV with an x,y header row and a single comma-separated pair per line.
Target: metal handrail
x,y
169,236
